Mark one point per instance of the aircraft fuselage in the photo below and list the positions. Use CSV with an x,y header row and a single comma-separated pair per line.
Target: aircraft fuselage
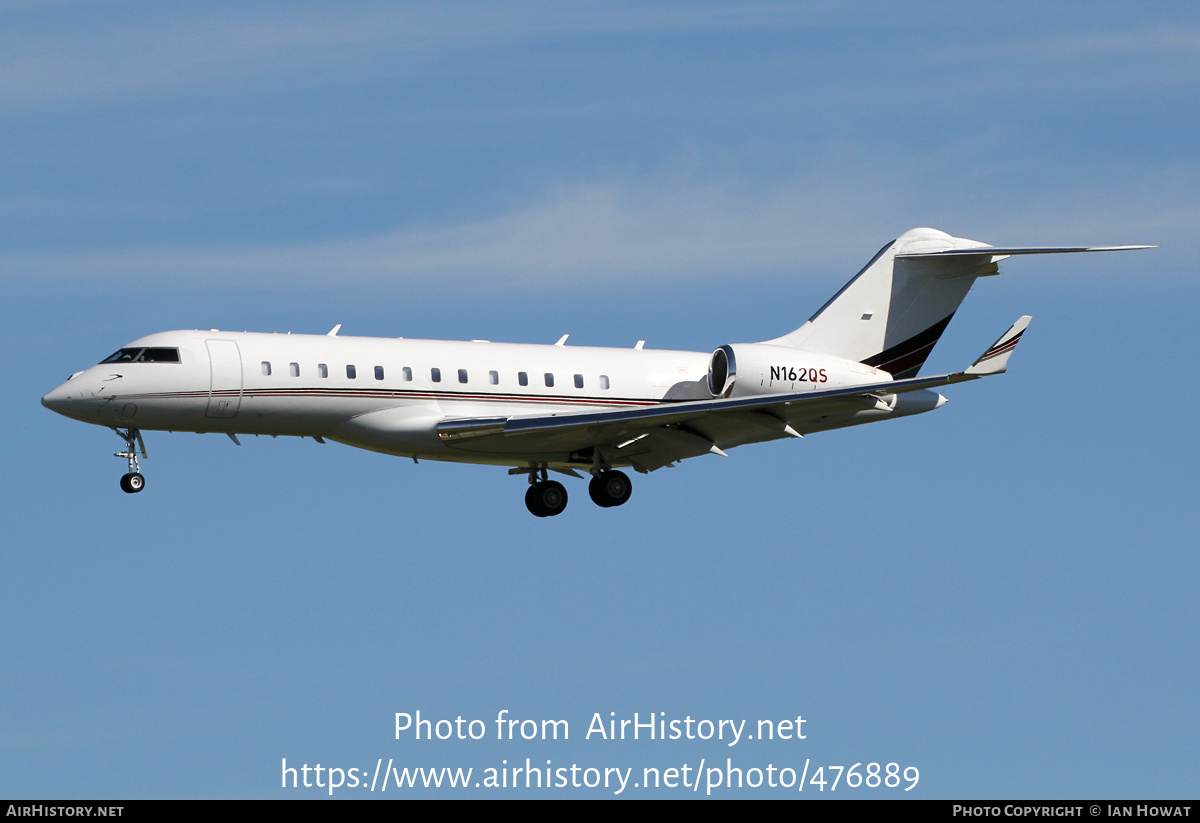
x,y
389,394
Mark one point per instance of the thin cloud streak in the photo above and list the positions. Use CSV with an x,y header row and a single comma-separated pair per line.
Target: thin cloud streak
x,y
124,55
81,54
679,230
573,235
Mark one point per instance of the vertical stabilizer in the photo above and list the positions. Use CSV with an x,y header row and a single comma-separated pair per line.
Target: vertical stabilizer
x,y
891,314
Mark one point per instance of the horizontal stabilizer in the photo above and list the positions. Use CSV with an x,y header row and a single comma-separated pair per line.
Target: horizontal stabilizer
x,y
1005,251
995,359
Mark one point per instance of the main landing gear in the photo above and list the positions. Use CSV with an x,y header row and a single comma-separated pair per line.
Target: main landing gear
x,y
610,488
547,498
132,482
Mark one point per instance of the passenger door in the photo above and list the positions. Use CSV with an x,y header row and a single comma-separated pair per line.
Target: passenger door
x,y
225,390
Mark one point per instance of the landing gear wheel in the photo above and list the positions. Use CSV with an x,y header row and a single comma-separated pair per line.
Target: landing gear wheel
x,y
533,503
611,488
133,483
546,498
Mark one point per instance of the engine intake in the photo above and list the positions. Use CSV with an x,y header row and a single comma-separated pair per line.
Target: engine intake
x,y
722,372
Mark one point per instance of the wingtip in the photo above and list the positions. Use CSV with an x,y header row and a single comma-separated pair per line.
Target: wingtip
x,y
995,359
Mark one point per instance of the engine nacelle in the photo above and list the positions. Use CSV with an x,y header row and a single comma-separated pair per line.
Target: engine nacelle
x,y
747,369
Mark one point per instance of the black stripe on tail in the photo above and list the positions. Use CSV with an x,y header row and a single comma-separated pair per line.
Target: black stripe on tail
x,y
905,359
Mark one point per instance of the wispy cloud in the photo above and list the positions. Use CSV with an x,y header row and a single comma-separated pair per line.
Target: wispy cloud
x,y
670,229
1154,41
618,231
95,50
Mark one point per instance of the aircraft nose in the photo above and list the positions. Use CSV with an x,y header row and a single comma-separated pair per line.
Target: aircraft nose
x,y
61,399
57,399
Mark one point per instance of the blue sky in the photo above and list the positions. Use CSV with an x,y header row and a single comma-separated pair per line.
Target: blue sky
x,y
1001,593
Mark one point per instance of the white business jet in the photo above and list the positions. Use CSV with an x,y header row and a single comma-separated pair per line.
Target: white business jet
x,y
560,408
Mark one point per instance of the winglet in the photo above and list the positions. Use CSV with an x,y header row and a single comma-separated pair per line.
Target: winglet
x,y
995,359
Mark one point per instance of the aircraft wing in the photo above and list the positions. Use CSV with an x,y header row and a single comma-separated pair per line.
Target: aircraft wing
x,y
651,437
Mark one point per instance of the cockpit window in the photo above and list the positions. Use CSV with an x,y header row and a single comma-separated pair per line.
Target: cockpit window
x,y
123,356
159,356
155,355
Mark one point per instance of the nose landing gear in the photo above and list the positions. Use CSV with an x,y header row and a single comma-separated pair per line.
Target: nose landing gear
x,y
132,482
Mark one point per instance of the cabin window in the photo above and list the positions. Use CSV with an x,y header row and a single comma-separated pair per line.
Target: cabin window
x,y
494,378
266,367
379,372
294,369
579,381
322,370
435,375
549,380
351,372
522,378
462,375
604,381
407,373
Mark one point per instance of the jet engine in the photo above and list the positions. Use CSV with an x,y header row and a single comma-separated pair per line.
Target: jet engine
x,y
748,369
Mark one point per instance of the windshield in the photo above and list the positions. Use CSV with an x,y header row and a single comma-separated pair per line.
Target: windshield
x,y
152,355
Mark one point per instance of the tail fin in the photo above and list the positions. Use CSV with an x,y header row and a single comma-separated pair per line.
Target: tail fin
x,y
892,313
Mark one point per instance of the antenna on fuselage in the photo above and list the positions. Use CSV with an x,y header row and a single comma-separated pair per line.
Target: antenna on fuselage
x,y
333,332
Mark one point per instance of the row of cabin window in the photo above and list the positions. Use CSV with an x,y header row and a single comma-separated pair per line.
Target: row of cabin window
x,y
434,374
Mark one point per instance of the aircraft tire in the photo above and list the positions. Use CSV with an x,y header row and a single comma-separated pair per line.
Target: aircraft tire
x,y
132,483
533,501
611,488
546,499
596,492
553,497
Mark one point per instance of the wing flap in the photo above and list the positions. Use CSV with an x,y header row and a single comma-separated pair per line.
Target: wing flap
x,y
707,424
675,413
